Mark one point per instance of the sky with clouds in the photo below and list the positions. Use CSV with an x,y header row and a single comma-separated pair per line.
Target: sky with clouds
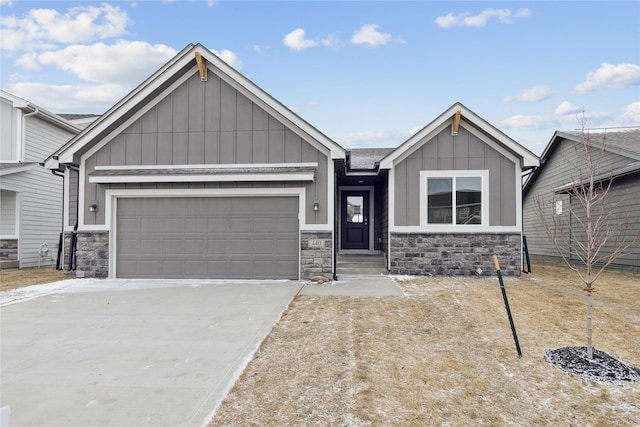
x,y
365,73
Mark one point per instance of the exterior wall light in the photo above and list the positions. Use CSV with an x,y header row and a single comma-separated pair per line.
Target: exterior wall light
x,y
93,207
316,206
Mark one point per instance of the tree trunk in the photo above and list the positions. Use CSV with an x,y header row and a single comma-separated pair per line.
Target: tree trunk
x,y
589,330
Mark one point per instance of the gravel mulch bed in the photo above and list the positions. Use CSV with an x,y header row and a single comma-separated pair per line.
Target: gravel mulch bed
x,y
603,368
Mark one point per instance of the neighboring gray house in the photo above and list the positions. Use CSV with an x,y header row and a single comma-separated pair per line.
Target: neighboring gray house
x,y
561,161
30,195
200,173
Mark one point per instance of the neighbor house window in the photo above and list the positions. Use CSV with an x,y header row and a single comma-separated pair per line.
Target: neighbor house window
x,y
457,199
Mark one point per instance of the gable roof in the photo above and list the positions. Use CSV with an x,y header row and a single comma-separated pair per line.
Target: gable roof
x,y
470,119
621,141
152,88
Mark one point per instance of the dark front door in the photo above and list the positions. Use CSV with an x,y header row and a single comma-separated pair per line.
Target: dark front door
x,y
354,207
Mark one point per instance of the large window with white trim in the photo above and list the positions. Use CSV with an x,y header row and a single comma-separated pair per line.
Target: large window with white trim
x,y
455,198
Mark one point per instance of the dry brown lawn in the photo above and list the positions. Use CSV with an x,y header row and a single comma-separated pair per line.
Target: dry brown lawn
x,y
442,355
13,279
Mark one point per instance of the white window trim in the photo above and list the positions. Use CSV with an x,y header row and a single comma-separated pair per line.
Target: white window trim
x,y
484,176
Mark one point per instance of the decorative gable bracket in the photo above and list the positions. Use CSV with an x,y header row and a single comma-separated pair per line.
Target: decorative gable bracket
x,y
456,123
202,66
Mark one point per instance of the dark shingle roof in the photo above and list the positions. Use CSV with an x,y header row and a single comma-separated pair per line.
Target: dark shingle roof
x,y
366,158
78,116
626,139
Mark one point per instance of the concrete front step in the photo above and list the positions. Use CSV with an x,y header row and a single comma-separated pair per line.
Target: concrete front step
x,y
361,271
361,265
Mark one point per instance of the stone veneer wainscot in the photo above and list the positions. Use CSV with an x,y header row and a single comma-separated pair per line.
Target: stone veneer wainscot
x,y
455,254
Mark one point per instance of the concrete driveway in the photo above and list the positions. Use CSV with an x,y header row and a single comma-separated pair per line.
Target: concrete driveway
x,y
132,352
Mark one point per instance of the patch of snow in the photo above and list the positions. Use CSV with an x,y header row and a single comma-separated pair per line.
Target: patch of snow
x,y
26,293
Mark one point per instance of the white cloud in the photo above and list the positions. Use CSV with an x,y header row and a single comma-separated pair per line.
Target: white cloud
x,y
521,121
505,16
535,94
124,62
296,40
6,3
554,121
331,40
567,107
369,34
632,113
44,28
230,58
613,76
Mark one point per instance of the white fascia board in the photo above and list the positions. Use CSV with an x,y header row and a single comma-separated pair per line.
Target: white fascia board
x,y
19,168
210,166
52,164
263,177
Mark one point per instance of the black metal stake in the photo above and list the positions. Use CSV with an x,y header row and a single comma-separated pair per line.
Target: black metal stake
x,y
506,304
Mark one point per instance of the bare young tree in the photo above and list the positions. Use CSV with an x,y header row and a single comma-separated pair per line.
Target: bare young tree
x,y
592,234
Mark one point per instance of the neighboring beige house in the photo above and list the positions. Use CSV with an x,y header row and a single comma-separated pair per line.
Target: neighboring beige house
x,y
199,173
30,195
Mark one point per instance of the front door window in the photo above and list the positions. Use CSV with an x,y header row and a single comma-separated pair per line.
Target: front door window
x,y
355,220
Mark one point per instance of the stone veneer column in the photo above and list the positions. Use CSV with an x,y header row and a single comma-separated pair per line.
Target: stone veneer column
x,y
455,254
92,256
316,254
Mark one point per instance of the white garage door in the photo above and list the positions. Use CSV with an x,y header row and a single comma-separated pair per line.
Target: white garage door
x,y
207,237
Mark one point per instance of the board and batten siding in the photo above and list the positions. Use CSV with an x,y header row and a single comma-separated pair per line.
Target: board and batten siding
x,y
462,152
40,193
560,169
207,123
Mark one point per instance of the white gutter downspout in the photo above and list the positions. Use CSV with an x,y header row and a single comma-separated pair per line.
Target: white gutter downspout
x,y
23,147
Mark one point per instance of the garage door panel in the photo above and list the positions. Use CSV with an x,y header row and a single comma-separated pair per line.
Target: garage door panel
x,y
196,246
215,237
263,246
219,246
285,248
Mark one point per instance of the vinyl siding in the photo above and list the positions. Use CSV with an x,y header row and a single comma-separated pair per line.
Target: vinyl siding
x,y
463,152
623,203
562,168
40,213
207,123
40,207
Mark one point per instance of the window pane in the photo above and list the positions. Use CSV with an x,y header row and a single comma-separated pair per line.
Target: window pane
x,y
439,200
355,208
469,200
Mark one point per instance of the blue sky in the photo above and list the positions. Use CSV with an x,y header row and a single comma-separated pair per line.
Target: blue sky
x,y
365,73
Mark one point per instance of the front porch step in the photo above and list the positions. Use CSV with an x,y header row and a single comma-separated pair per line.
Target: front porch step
x,y
362,265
